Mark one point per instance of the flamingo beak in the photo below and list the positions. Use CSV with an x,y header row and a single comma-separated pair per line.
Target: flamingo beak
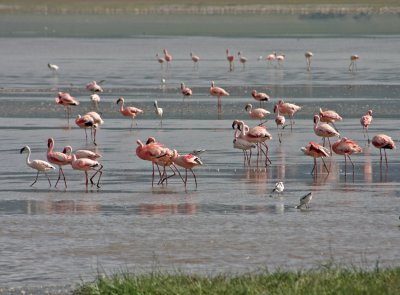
x,y
22,150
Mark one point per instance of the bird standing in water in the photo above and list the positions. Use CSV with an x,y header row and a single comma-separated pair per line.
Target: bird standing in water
x,y
159,111
365,122
308,56
305,201
131,112
38,165
218,92
383,141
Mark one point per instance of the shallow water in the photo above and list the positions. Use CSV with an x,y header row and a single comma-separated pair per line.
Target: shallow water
x,y
56,236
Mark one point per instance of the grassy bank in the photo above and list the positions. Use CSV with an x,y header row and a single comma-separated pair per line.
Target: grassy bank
x,y
322,281
198,7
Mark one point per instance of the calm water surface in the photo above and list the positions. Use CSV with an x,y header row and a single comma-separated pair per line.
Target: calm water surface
x,y
57,236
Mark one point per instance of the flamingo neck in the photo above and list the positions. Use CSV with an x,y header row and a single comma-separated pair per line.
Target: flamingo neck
x,y
28,157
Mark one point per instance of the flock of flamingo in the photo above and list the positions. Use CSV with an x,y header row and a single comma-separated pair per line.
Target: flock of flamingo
x,y
245,138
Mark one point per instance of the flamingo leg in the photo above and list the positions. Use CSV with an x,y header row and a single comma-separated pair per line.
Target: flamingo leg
x,y
185,176
87,181
323,161
195,180
351,163
100,172
94,136
386,159
37,175
368,135
313,169
345,165
380,152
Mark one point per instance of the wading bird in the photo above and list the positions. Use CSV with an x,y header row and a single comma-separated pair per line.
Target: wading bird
x,y
271,57
95,98
160,60
218,92
324,130
365,122
383,141
329,116
188,162
308,56
131,112
186,91
230,59
94,87
53,67
279,187
315,150
353,62
242,59
280,121
65,99
290,109
259,96
280,58
85,164
57,158
97,121
159,111
346,147
38,165
81,153
258,113
195,60
167,57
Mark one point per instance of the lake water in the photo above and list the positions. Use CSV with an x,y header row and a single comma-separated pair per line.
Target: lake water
x,y
229,224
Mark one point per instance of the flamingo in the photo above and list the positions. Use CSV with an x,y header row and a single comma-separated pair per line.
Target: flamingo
x,y
280,121
160,60
129,111
329,116
353,62
81,153
271,57
315,150
97,121
65,99
57,158
167,57
259,96
304,201
230,59
258,113
94,87
242,59
186,91
53,67
218,91
324,130
85,164
308,56
159,111
39,165
195,60
289,109
188,162
280,58
85,122
242,143
346,147
382,141
365,122
95,98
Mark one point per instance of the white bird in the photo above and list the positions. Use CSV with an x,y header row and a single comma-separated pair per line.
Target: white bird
x,y
304,201
39,165
53,67
308,56
279,187
159,111
95,98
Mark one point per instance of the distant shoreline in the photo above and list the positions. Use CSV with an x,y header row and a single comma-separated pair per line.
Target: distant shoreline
x,y
306,9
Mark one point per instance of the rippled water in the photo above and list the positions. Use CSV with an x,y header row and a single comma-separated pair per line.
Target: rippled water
x,y
56,236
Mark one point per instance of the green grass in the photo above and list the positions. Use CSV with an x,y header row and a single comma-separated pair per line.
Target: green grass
x,y
324,281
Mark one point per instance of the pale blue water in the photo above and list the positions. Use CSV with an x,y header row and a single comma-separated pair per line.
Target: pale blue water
x,y
54,237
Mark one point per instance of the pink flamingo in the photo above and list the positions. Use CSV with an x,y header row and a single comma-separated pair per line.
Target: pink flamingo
x,y
38,165
382,141
94,87
85,122
315,150
65,99
160,60
187,161
129,111
58,158
242,59
81,153
346,147
97,121
195,60
289,109
329,117
258,113
85,164
230,59
324,130
167,57
186,91
271,57
353,62
259,96
280,58
280,121
218,91
242,143
365,122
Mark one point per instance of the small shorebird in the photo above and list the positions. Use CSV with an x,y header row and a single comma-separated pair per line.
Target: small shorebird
x,y
304,201
279,187
308,56
53,67
38,165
